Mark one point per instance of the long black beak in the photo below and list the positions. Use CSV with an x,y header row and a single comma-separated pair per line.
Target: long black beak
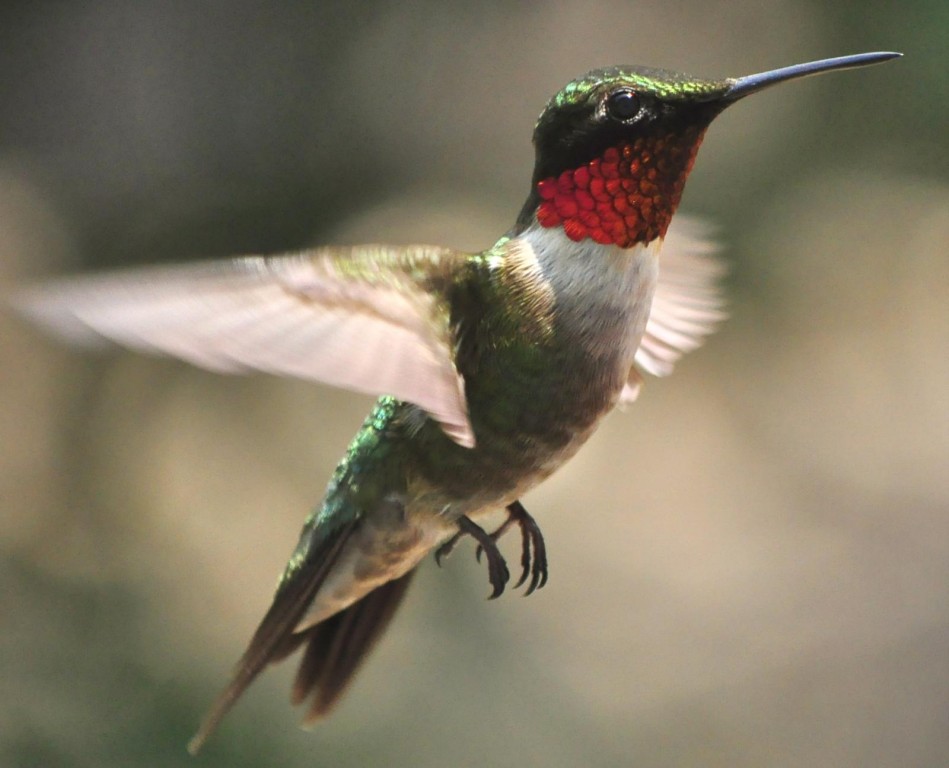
x,y
743,86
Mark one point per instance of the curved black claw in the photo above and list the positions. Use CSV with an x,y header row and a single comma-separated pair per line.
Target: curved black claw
x,y
498,574
531,537
445,549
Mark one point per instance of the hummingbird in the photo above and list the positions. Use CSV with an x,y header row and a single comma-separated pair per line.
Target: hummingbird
x,y
491,369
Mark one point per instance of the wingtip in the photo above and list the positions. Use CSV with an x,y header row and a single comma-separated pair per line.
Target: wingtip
x,y
194,746
38,304
463,434
210,722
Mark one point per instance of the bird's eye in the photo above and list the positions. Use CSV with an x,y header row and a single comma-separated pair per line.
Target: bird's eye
x,y
622,104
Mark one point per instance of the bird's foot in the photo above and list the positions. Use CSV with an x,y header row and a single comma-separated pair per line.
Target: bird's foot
x,y
446,549
531,539
533,551
498,574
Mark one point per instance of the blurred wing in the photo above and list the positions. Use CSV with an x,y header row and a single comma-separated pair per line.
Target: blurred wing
x,y
686,307
368,318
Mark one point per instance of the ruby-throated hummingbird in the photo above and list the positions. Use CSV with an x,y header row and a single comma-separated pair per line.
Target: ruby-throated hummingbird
x,y
492,368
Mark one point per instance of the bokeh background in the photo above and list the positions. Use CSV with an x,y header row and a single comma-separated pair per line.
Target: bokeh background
x,y
749,567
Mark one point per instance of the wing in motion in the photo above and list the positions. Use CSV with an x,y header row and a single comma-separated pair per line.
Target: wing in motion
x,y
686,307
368,318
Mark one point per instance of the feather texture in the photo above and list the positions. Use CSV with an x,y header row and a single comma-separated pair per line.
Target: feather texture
x,y
372,319
687,305
336,647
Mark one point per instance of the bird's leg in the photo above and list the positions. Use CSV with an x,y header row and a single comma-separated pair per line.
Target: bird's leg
x,y
498,573
531,537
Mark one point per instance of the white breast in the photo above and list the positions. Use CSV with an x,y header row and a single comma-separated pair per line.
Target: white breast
x,y
602,292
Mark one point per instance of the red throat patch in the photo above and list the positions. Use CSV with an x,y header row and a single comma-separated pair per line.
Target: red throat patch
x,y
624,197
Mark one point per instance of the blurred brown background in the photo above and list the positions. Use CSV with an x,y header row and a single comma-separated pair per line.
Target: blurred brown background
x,y
749,568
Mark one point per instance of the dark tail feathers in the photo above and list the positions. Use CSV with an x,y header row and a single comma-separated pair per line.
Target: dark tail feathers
x,y
337,646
